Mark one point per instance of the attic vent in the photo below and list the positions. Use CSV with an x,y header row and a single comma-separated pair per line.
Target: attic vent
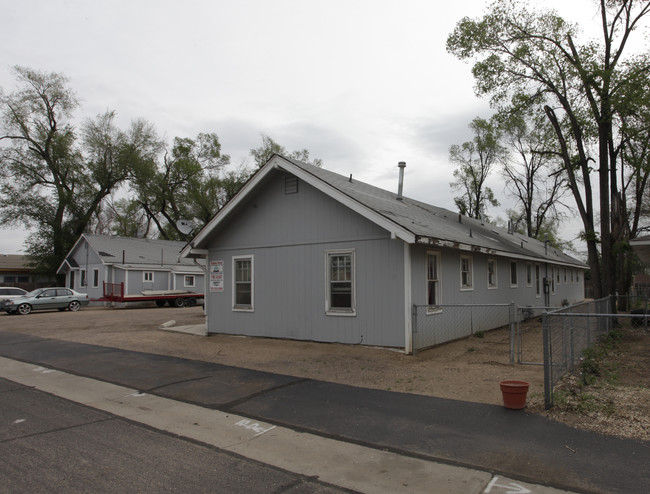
x,y
291,185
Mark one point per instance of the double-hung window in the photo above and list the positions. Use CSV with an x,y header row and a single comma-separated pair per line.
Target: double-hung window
x,y
538,280
433,280
340,282
466,273
95,278
243,283
513,274
188,280
147,276
492,273
529,274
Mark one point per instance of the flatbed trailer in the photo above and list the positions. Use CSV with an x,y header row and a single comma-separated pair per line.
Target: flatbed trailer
x,y
114,292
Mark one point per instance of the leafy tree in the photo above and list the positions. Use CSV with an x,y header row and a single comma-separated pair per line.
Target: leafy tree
x,y
531,169
186,182
581,87
269,147
49,180
123,217
475,160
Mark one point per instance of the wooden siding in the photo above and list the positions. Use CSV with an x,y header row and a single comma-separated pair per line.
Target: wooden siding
x,y
521,295
87,260
455,320
288,236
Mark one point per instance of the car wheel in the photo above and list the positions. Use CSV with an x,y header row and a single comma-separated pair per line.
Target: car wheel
x,y
179,302
24,309
191,302
74,306
160,303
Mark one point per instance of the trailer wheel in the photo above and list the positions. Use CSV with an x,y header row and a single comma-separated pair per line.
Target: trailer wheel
x,y
160,303
190,302
177,302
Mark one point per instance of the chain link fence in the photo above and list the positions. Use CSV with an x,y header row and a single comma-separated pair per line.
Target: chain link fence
x,y
434,325
567,333
548,336
528,335
506,332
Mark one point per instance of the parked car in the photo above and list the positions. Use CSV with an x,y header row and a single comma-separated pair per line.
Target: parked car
x,y
9,292
47,298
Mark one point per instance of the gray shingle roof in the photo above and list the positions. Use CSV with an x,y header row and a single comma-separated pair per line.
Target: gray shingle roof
x,y
137,251
437,226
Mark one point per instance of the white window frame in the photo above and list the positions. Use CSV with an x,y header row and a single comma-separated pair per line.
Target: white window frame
x,y
147,276
466,282
83,280
95,278
437,292
243,307
529,274
538,281
514,283
186,284
340,311
495,282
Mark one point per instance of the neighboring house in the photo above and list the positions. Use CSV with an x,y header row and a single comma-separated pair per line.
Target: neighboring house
x,y
140,263
641,245
15,271
304,253
641,282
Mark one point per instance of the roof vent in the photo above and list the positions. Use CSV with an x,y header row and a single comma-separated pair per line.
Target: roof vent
x,y
400,186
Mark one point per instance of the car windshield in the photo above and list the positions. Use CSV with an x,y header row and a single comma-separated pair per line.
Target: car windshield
x,y
33,293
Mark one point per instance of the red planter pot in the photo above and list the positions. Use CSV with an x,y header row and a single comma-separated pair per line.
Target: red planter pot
x,y
514,394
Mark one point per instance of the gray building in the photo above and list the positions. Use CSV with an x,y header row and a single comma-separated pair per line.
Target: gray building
x,y
140,263
304,253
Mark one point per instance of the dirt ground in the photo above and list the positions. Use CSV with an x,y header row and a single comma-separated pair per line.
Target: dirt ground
x,y
468,370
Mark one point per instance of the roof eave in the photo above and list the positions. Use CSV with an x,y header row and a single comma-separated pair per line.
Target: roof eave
x,y
495,252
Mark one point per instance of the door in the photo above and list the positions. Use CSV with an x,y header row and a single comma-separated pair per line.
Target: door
x,y
46,300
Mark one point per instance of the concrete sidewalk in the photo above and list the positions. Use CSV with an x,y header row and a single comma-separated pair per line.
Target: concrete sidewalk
x,y
398,436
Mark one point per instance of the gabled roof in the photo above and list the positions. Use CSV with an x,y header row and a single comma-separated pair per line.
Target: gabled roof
x,y
407,219
133,251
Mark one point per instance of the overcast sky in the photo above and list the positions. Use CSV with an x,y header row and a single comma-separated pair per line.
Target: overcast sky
x,y
360,84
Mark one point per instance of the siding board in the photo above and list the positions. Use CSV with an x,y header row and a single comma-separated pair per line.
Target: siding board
x,y
289,236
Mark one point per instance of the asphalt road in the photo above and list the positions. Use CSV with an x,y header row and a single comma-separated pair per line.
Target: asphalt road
x,y
486,438
49,445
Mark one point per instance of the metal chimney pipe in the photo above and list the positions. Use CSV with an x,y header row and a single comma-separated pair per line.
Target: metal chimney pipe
x,y
401,165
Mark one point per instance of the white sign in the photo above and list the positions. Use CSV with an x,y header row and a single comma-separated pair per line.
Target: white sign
x,y
216,276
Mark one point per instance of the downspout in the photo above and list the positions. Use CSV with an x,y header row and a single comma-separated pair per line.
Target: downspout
x,y
408,301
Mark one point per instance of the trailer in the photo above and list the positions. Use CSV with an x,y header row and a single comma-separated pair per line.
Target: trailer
x,y
114,292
